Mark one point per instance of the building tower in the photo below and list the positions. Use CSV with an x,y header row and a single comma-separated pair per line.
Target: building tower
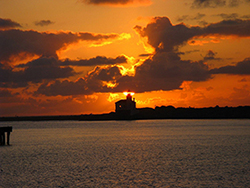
x,y
126,107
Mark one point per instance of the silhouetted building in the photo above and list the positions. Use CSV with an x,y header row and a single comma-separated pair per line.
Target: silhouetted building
x,y
126,107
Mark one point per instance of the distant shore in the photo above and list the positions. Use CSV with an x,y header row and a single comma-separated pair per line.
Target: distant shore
x,y
163,112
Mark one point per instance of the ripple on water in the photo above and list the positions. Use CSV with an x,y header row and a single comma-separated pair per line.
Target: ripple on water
x,y
165,153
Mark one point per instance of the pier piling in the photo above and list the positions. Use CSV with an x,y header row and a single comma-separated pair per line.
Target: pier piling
x,y
4,130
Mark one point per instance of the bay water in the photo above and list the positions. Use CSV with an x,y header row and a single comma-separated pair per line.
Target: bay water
x,y
145,153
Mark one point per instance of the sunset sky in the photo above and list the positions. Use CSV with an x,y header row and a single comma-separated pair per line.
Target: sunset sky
x,y
78,56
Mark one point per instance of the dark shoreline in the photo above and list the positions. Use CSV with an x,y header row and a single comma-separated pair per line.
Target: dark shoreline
x,y
163,112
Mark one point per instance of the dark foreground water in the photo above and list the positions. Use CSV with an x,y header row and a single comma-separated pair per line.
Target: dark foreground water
x,y
155,153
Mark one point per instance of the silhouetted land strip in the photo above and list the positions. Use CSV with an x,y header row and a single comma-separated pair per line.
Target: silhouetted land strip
x,y
163,112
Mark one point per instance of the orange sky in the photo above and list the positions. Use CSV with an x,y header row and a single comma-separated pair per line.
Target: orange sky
x,y
78,56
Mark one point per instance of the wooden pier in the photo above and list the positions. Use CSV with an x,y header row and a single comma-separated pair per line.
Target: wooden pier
x,y
4,130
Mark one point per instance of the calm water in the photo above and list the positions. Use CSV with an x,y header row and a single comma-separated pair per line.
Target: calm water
x,y
155,153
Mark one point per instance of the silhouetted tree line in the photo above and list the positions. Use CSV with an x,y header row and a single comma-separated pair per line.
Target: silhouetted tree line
x,y
163,112
170,112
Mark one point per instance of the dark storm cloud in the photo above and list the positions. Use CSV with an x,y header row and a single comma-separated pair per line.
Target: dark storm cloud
x,y
93,82
232,16
164,71
44,68
44,23
217,3
99,60
208,3
211,55
246,16
8,24
50,68
16,42
241,68
116,2
237,27
228,16
112,73
234,3
145,55
64,88
163,36
198,16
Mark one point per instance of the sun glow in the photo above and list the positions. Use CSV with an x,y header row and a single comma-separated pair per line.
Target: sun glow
x,y
128,92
